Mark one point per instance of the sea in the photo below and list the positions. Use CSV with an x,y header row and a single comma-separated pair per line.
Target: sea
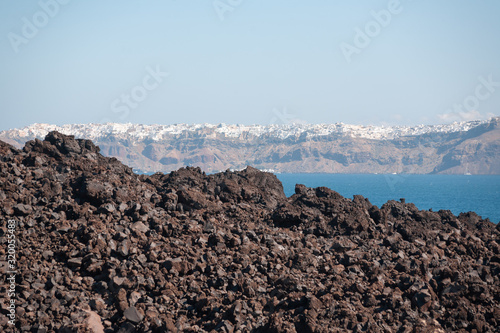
x,y
457,193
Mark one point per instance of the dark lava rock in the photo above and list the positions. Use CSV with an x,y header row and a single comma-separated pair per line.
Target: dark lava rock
x,y
133,315
229,252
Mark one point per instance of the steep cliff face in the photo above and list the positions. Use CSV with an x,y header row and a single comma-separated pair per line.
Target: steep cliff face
x,y
478,153
465,148
102,248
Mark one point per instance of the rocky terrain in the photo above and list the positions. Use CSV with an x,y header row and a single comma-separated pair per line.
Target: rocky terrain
x,y
101,249
467,147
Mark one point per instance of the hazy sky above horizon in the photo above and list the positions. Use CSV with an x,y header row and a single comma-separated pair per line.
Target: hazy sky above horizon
x,y
248,62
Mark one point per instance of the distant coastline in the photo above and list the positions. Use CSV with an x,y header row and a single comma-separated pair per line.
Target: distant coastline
x,y
459,148
457,193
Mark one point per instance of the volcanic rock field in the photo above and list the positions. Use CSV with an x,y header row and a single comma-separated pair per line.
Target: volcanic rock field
x,y
102,249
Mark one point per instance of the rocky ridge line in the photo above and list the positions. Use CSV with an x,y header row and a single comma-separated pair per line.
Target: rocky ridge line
x,y
467,147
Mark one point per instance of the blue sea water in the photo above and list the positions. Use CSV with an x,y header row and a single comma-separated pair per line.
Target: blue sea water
x,y
457,193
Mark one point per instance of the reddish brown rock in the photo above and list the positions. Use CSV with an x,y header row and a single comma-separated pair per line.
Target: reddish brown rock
x,y
228,252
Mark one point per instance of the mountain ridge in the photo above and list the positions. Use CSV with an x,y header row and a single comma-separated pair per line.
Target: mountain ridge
x,y
457,148
281,131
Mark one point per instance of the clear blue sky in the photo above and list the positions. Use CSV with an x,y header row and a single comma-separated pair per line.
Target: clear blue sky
x,y
248,61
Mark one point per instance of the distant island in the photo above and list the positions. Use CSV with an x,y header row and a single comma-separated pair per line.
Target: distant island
x,y
459,148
